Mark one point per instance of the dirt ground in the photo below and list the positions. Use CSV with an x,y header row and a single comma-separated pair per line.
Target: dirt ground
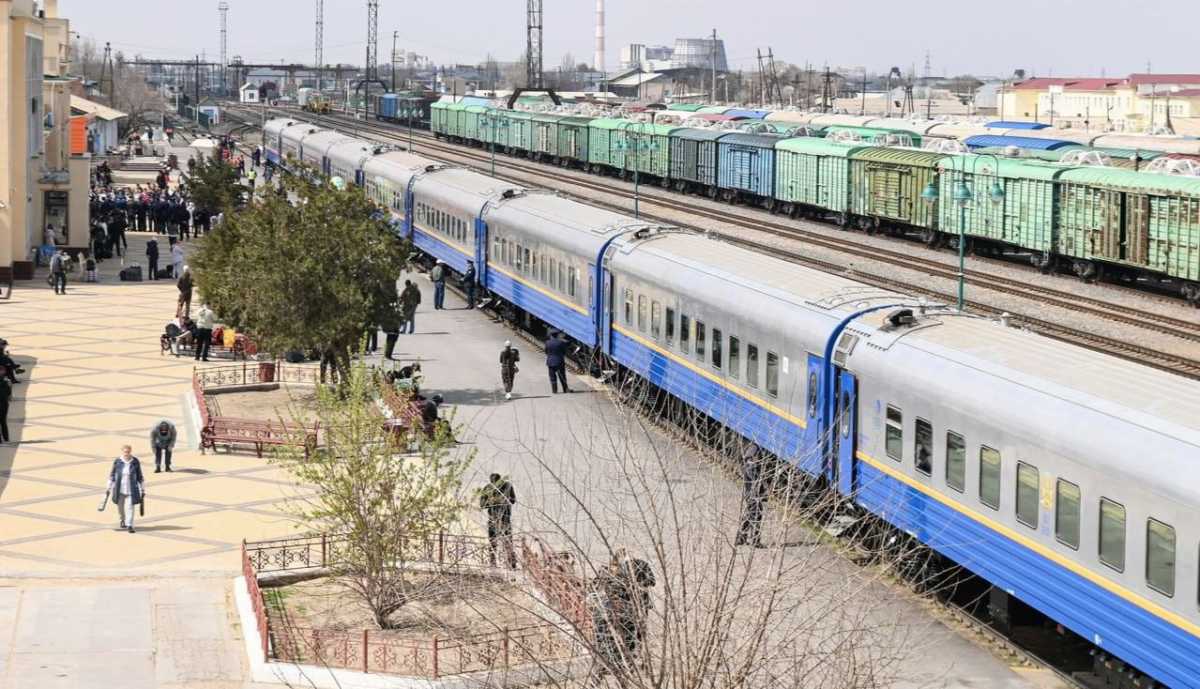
x,y
449,605
266,405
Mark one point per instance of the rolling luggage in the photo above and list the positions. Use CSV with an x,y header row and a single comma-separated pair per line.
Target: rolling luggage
x,y
131,273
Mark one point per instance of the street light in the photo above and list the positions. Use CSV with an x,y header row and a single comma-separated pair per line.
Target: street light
x,y
962,197
633,142
492,120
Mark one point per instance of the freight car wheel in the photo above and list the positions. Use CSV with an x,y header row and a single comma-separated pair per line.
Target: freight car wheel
x,y
931,237
1191,292
680,186
1086,270
771,205
843,219
1044,262
711,192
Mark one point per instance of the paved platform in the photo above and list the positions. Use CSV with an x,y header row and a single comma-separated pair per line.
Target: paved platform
x,y
584,469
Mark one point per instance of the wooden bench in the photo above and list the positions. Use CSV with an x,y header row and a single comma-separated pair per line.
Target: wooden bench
x,y
259,434
167,344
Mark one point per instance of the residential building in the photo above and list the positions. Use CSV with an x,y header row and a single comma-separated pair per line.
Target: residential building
x,y
1136,103
102,124
42,179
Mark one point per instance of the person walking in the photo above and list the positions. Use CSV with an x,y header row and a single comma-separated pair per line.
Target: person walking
x,y
497,499
469,284
391,324
205,320
556,361
58,271
252,177
509,356
256,156
5,396
152,257
126,485
162,439
755,487
177,259
410,299
185,292
438,276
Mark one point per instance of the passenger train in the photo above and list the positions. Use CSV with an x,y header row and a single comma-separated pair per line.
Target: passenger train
x,y
1063,477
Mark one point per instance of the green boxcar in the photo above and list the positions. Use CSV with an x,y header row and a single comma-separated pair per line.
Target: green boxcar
x,y
886,183
652,146
814,172
1140,219
456,113
520,129
602,137
438,117
1025,217
875,135
471,125
573,138
545,135
685,107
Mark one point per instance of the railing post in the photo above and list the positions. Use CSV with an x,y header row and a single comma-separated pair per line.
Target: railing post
x,y
364,650
324,551
441,547
243,372
435,657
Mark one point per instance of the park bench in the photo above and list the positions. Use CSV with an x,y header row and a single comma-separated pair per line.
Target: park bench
x,y
259,434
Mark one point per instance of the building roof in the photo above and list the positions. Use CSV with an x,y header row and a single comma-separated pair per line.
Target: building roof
x,y
1040,83
1185,93
88,107
1093,84
248,87
1139,79
636,79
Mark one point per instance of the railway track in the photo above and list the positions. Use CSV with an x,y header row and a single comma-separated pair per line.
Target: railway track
x,y
1169,325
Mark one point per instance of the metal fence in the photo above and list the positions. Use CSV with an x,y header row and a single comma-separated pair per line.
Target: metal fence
x,y
374,651
256,373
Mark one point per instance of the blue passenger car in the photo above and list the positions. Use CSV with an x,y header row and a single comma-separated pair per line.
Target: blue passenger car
x,y
746,166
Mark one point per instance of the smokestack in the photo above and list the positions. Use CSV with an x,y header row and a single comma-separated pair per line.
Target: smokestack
x,y
598,58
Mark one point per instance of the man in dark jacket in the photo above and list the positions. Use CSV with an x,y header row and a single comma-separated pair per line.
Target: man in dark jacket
x,y
152,257
162,439
410,298
183,218
116,233
497,499
556,362
185,292
126,485
469,284
509,356
755,488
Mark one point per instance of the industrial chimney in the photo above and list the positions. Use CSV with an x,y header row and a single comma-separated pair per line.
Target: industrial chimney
x,y
598,58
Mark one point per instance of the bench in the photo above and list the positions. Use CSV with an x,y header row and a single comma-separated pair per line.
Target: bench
x,y
259,434
168,344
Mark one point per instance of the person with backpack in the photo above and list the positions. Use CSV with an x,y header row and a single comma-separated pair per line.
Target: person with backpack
x,y
60,263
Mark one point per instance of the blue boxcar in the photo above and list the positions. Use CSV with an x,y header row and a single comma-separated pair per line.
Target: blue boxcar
x,y
385,106
746,163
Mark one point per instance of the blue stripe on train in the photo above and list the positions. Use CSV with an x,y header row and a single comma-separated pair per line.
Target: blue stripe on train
x,y
779,436
1166,652
578,325
435,247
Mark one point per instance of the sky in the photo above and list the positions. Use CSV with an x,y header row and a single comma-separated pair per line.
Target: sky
x,y
1044,37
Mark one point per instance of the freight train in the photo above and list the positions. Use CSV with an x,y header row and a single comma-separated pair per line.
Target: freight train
x,y
406,108
1063,477
1096,221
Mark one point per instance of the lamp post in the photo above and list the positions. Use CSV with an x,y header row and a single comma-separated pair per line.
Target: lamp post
x,y
962,196
410,136
634,143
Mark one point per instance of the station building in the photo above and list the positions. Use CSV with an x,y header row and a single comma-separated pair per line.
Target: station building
x,y
43,176
1136,103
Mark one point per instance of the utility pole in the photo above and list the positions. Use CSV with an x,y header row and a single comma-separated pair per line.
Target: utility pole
x,y
223,8
319,47
777,94
761,86
103,66
372,66
827,91
533,46
712,57
395,35
196,104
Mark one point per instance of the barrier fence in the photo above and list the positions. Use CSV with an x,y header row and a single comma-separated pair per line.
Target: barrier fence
x,y
256,373
374,651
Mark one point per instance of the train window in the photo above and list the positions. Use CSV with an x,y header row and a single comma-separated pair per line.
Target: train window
x,y
526,263
752,365
670,330
628,307
812,395
716,348
496,253
700,340
1028,494
685,332
545,269
572,282
1066,513
847,413
893,439
533,264
956,461
642,313
1112,534
1160,557
735,357
923,447
553,274
655,320
772,374
989,477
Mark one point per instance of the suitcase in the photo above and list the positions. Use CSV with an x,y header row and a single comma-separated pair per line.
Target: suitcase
x,y
131,273
168,272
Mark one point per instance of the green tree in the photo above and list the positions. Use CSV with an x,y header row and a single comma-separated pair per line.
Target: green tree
x,y
380,500
303,270
215,185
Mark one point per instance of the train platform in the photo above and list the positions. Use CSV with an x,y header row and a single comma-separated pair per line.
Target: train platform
x,y
587,470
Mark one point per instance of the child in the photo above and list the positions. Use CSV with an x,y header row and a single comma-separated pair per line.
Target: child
x,y
89,266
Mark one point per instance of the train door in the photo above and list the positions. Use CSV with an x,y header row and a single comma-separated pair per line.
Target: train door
x,y
845,430
481,251
1135,233
608,297
811,450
